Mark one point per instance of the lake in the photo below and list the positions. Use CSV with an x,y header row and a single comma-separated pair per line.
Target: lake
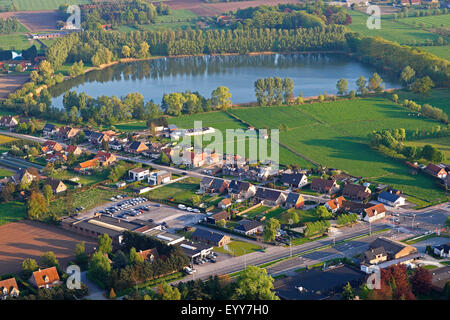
x,y
312,74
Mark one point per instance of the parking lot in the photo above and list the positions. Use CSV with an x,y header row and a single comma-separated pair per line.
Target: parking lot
x,y
129,209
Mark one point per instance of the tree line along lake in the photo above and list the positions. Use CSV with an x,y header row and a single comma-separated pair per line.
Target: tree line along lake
x,y
312,74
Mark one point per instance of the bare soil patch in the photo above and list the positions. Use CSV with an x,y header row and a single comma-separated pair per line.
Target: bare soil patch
x,y
10,83
30,239
35,21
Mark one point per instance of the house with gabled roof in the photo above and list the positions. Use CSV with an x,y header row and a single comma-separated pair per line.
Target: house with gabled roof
x,y
442,250
45,278
294,200
436,171
74,149
375,212
222,215
87,165
295,180
335,204
49,130
213,185
96,138
356,192
135,147
8,122
391,199
67,133
148,255
269,197
26,176
327,186
105,158
51,146
249,227
241,189
210,237
56,156
9,288
56,185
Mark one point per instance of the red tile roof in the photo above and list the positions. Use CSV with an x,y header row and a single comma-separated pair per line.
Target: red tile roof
x,y
46,276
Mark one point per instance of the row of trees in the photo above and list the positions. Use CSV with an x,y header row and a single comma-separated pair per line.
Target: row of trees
x,y
426,109
345,218
9,25
274,91
317,228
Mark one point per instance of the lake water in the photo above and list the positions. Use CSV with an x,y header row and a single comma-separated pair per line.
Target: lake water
x,y
312,75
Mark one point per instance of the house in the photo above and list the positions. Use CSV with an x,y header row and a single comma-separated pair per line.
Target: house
x,y
375,212
363,3
356,192
213,185
49,130
391,199
115,145
135,147
8,122
138,174
51,146
443,250
295,180
223,215
67,133
225,203
249,227
105,158
323,185
9,288
436,171
45,278
56,185
74,149
26,176
294,200
384,252
87,165
270,197
56,156
159,177
335,204
195,159
96,138
241,190
235,170
148,255
212,238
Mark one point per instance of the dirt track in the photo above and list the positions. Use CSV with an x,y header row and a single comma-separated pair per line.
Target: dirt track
x,y
35,20
210,9
28,239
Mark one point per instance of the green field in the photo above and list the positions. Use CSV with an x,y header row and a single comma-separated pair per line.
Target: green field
x,y
442,20
438,98
443,144
239,248
253,213
5,173
178,19
12,211
35,5
180,191
440,51
390,30
15,41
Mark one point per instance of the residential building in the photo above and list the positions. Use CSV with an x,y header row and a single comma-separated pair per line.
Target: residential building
x,y
135,147
223,215
57,185
295,180
115,145
45,278
326,186
241,189
96,138
105,158
196,159
148,255
88,165
225,203
9,288
51,146
443,250
8,122
436,171
294,200
49,130
356,192
270,197
76,150
249,227
209,237
67,133
391,199
375,255
375,212
138,174
26,176
56,156
159,177
235,170
335,204
213,185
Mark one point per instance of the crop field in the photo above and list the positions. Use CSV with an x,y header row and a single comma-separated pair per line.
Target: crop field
x,y
442,144
440,51
35,5
12,211
390,30
429,22
15,41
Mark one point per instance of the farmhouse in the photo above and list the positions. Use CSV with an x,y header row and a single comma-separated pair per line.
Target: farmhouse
x,y
356,192
159,177
241,190
391,199
9,288
295,180
294,200
223,215
45,278
249,227
436,171
209,237
138,174
335,204
57,185
374,213
270,197
323,185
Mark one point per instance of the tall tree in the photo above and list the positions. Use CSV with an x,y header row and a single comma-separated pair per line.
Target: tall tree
x,y
254,284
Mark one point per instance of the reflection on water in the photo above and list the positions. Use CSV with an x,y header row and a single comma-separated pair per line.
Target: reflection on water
x,y
312,75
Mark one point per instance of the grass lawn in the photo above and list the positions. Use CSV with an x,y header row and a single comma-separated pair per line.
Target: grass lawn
x,y
180,191
6,139
131,126
239,248
390,30
430,267
253,213
429,21
443,144
440,51
16,41
88,199
178,19
276,213
5,173
437,98
35,5
83,179
12,211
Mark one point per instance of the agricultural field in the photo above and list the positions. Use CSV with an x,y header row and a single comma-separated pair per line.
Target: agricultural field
x,y
6,139
390,30
429,22
36,5
440,51
438,98
15,41
442,144
12,211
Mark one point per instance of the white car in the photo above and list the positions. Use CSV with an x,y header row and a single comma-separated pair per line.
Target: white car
x,y
182,207
189,209
196,211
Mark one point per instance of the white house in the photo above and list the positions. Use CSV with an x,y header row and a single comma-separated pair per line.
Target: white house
x,y
375,212
139,174
443,250
391,199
